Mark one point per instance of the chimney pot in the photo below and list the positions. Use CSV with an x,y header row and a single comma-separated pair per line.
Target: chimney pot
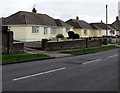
x,y
77,18
117,18
34,10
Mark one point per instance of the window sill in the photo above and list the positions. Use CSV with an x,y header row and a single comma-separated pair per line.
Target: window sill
x,y
35,33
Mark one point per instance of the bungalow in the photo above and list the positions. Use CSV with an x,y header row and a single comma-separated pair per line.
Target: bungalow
x,y
100,29
81,27
32,26
116,24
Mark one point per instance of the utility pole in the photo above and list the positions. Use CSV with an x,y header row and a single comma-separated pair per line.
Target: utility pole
x,y
106,24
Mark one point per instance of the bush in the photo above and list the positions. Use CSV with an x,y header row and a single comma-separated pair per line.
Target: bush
x,y
76,36
60,36
71,34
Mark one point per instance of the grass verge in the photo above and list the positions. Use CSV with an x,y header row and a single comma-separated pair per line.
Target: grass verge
x,y
90,50
19,58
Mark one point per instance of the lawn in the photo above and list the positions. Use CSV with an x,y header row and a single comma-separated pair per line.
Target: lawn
x,y
90,50
23,57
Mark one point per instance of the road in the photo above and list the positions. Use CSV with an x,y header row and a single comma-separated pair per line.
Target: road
x,y
90,72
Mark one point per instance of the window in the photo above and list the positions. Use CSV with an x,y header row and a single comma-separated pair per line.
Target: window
x,y
67,30
112,32
45,30
35,29
53,31
85,32
99,32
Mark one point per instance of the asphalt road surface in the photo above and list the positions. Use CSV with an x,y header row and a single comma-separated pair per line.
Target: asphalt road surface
x,y
90,72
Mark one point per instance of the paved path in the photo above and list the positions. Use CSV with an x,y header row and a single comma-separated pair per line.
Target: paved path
x,y
50,53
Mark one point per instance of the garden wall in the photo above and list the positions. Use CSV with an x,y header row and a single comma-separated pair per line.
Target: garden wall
x,y
67,45
8,47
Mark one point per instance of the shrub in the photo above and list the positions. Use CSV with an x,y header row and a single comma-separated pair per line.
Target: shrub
x,y
76,36
71,34
60,36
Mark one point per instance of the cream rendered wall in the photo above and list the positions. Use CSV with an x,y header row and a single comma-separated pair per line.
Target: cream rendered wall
x,y
77,31
62,30
19,32
97,33
89,33
52,35
33,36
39,36
81,32
24,33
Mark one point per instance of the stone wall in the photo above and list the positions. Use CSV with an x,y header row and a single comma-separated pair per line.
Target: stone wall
x,y
18,48
67,45
94,43
114,40
36,44
7,42
8,47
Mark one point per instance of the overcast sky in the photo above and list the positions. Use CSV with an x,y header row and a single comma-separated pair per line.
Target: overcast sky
x,y
88,10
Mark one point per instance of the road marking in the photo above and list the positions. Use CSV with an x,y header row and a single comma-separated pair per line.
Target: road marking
x,y
92,61
113,56
39,74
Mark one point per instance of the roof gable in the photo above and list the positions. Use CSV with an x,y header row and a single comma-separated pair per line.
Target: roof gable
x,y
79,24
62,23
100,25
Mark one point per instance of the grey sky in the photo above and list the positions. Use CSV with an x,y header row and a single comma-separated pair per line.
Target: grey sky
x,y
88,10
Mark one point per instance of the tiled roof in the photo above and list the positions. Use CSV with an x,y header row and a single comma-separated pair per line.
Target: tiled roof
x,y
62,23
79,24
23,17
116,24
99,25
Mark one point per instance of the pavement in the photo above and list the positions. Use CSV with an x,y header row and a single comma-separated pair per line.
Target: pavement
x,y
54,54
90,72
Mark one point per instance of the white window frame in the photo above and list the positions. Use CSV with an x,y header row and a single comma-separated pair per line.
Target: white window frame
x,y
45,30
35,29
53,30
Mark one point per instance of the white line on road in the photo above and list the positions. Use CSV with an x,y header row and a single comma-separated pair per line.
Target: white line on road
x,y
39,74
113,56
92,61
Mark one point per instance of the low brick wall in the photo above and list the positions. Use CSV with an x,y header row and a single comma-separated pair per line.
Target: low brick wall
x,y
66,45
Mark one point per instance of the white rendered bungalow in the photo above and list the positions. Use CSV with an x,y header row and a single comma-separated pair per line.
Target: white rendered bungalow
x,y
32,26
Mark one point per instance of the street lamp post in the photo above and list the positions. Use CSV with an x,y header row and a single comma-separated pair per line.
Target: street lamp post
x,y
106,24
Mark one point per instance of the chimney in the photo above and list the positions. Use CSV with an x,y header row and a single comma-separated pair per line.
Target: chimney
x,y
77,18
34,10
101,21
117,18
